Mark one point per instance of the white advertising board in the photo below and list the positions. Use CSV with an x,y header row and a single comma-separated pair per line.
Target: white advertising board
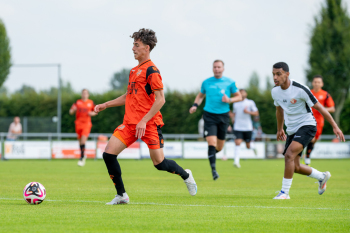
x,y
71,149
27,150
330,150
171,150
199,150
132,152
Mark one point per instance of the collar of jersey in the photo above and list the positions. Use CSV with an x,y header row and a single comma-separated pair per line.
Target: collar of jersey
x,y
144,62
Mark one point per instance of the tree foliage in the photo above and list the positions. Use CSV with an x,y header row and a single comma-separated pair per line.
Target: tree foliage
x,y
120,79
5,54
330,52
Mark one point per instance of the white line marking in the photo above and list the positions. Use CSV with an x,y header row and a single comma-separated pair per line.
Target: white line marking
x,y
188,205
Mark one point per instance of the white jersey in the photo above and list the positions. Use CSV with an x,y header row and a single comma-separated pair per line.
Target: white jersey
x,y
296,101
243,121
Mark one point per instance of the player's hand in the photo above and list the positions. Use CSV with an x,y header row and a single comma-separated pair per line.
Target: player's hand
x,y
281,136
193,109
100,107
246,110
140,129
339,134
92,113
225,99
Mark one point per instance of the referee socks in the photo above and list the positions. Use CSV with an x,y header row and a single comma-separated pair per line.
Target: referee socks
x,y
212,157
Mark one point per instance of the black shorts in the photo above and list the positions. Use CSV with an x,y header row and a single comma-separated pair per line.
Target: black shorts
x,y
216,124
304,135
245,135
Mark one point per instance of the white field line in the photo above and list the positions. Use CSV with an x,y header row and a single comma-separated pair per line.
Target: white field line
x,y
187,205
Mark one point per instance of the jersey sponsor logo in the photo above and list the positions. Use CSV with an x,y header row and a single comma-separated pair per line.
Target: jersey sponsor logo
x,y
121,127
132,88
293,101
138,72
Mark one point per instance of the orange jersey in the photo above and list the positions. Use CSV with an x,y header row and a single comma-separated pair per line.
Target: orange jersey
x,y
82,116
325,100
144,79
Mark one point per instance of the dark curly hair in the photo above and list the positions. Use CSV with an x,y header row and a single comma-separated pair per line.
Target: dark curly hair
x,y
147,36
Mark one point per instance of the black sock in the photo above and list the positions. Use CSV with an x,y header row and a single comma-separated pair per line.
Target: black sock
x,y
310,147
114,171
172,167
82,150
212,157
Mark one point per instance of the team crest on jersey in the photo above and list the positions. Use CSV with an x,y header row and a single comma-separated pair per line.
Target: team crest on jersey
x,y
138,72
293,101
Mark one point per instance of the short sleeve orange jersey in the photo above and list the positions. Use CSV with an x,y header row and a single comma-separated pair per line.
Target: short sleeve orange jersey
x,y
325,100
144,79
82,114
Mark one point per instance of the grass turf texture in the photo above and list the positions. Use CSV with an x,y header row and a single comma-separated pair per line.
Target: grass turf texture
x,y
240,200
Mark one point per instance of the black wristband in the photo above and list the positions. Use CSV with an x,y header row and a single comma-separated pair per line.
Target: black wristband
x,y
195,105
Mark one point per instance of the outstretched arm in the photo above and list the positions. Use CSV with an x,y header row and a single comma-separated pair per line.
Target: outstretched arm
x,y
329,118
157,105
236,98
120,101
281,136
197,102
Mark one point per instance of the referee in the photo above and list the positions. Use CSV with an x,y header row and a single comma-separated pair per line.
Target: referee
x,y
216,109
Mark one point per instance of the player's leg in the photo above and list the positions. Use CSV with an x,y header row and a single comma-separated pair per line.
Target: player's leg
x,y
154,139
121,138
292,149
311,145
238,141
248,135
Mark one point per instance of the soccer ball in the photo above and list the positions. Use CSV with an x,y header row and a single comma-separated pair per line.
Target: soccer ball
x,y
34,193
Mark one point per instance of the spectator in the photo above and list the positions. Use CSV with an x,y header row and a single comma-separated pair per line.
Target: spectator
x,y
15,129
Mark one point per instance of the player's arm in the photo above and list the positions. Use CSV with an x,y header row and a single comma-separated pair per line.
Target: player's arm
x,y
253,113
120,101
329,118
93,113
329,104
236,98
157,105
199,99
232,116
281,136
73,109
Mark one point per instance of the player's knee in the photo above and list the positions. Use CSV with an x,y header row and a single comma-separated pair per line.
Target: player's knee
x,y
288,157
108,158
163,166
297,168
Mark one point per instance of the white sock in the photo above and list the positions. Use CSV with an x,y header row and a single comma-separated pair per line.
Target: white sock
x,y
316,174
286,183
237,150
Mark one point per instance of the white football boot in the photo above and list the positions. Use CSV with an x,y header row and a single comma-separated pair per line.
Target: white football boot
x,y
323,183
190,183
282,195
81,162
119,200
237,165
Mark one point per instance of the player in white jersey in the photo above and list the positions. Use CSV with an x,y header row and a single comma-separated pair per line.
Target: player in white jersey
x,y
242,123
293,103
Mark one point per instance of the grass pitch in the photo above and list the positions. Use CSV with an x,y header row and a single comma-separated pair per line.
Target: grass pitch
x,y
240,200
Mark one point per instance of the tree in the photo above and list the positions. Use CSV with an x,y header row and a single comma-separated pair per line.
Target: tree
x,y
5,55
330,52
120,79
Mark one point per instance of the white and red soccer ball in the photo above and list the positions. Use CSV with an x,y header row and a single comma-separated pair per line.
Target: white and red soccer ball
x,y
34,193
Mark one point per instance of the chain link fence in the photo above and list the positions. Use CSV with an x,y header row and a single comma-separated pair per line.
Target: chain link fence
x,y
30,124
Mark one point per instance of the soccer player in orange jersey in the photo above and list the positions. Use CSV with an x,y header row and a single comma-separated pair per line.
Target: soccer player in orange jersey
x,y
325,100
142,120
84,110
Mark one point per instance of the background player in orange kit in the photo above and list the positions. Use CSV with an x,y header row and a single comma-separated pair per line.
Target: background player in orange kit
x,y
143,100
84,110
325,100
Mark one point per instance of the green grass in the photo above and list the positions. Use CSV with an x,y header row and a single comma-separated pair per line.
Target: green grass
x,y
240,201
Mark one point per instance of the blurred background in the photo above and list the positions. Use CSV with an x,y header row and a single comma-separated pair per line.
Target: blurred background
x,y
87,44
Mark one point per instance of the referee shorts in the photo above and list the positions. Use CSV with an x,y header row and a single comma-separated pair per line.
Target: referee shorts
x,y
216,124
